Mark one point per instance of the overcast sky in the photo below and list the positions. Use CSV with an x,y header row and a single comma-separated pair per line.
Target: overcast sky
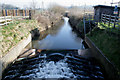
x,y
26,3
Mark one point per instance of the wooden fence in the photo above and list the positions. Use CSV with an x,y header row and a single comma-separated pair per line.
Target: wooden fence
x,y
4,20
110,20
14,12
7,16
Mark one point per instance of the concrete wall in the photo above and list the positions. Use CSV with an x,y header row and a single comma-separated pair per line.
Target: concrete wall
x,y
110,69
13,54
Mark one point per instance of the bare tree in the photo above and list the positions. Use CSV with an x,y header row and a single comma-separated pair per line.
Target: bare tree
x,y
57,8
33,4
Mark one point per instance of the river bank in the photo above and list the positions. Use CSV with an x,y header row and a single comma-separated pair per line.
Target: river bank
x,y
108,43
17,35
13,33
106,40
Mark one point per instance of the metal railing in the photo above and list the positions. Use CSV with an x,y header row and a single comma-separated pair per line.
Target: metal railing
x,y
88,18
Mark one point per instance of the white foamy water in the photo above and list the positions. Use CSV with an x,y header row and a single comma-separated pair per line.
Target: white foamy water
x,y
51,69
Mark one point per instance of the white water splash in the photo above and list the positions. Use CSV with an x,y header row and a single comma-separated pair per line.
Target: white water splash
x,y
51,69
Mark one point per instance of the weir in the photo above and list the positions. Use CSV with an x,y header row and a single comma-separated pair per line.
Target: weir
x,y
60,55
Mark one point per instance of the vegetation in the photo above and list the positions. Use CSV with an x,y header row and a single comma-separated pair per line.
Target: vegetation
x,y
76,23
15,32
57,9
51,16
108,41
78,11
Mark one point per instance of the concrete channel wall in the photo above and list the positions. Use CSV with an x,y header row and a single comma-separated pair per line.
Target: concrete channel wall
x,y
110,69
13,54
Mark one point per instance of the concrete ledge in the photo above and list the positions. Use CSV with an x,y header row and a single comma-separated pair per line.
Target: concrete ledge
x,y
110,69
14,53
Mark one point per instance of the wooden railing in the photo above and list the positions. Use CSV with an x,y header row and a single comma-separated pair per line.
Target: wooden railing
x,y
4,20
109,19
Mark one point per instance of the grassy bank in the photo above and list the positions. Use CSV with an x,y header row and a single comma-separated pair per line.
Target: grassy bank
x,y
108,41
18,30
14,33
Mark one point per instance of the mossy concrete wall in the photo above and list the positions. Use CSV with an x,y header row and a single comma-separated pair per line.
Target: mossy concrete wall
x,y
110,70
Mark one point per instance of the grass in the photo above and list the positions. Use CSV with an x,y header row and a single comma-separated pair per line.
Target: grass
x,y
109,28
108,43
15,32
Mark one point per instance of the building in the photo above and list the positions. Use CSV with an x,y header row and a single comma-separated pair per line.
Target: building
x,y
103,9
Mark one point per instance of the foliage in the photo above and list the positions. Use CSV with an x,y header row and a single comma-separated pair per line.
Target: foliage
x,y
109,28
108,43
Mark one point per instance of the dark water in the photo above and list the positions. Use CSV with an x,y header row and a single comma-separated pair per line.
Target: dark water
x,y
55,66
61,37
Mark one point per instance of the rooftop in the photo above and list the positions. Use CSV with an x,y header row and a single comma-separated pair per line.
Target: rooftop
x,y
104,6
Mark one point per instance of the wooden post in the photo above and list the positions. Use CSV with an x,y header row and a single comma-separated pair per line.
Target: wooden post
x,y
105,19
27,12
7,12
14,12
11,12
101,18
109,20
4,12
17,12
115,21
23,13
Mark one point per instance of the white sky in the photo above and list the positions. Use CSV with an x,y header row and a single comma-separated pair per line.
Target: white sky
x,y
26,3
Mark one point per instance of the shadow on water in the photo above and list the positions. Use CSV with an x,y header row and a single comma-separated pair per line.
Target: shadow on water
x,y
59,37
55,65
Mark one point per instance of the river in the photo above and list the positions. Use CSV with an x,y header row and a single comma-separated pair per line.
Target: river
x,y
52,65
62,37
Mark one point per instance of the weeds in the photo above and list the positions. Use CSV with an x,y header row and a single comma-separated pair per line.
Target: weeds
x,y
108,43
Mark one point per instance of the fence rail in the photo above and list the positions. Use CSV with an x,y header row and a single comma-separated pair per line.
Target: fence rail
x,y
114,20
4,20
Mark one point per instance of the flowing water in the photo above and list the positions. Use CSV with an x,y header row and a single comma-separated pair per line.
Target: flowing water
x,y
61,38
54,66
47,65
